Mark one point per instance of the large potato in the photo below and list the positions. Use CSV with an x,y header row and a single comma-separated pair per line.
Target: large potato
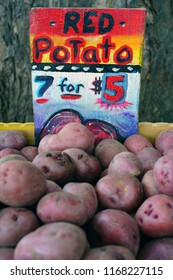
x,y
109,252
21,183
88,168
76,203
154,216
15,139
56,166
107,149
119,191
72,135
15,223
116,227
54,241
126,162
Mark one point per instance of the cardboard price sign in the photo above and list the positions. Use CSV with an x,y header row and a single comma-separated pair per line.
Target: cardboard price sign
x,y
86,67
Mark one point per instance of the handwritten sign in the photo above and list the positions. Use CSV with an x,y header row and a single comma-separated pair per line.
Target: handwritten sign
x,y
86,67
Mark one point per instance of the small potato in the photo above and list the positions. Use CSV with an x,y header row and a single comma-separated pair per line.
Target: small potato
x,y
107,149
9,151
116,227
29,152
163,174
109,252
6,253
149,184
119,191
57,166
52,187
126,162
148,157
54,241
15,223
88,168
72,135
154,216
163,140
21,183
157,249
136,142
15,139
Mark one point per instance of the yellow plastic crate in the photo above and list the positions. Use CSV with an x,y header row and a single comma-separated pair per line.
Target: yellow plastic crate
x,y
147,129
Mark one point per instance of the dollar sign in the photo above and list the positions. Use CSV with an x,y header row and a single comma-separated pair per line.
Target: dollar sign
x,y
97,85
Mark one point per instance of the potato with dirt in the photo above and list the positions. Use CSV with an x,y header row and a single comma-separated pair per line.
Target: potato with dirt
x,y
119,191
106,150
54,241
57,166
109,252
126,162
88,168
15,139
112,226
76,203
21,183
157,249
15,223
136,142
154,216
72,135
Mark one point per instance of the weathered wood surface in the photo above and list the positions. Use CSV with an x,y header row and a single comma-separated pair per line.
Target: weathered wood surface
x,y
15,72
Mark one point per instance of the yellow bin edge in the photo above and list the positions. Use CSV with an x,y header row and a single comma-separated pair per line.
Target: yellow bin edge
x,y
148,129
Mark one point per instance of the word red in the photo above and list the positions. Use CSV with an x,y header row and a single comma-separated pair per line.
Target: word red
x,y
78,53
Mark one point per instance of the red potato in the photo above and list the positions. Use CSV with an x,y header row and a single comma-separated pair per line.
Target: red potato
x,y
72,135
52,187
88,168
12,157
107,149
15,223
86,192
148,157
6,253
154,216
9,151
109,252
57,166
116,227
54,241
157,249
21,183
149,184
163,140
119,191
126,162
29,152
136,142
163,174
168,151
15,139
77,203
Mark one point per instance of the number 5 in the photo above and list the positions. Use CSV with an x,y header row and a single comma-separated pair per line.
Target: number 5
x,y
114,89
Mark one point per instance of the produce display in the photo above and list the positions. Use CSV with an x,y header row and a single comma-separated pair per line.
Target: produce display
x,y
74,198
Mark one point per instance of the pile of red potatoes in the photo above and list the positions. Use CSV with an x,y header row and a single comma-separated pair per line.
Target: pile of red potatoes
x,y
70,199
